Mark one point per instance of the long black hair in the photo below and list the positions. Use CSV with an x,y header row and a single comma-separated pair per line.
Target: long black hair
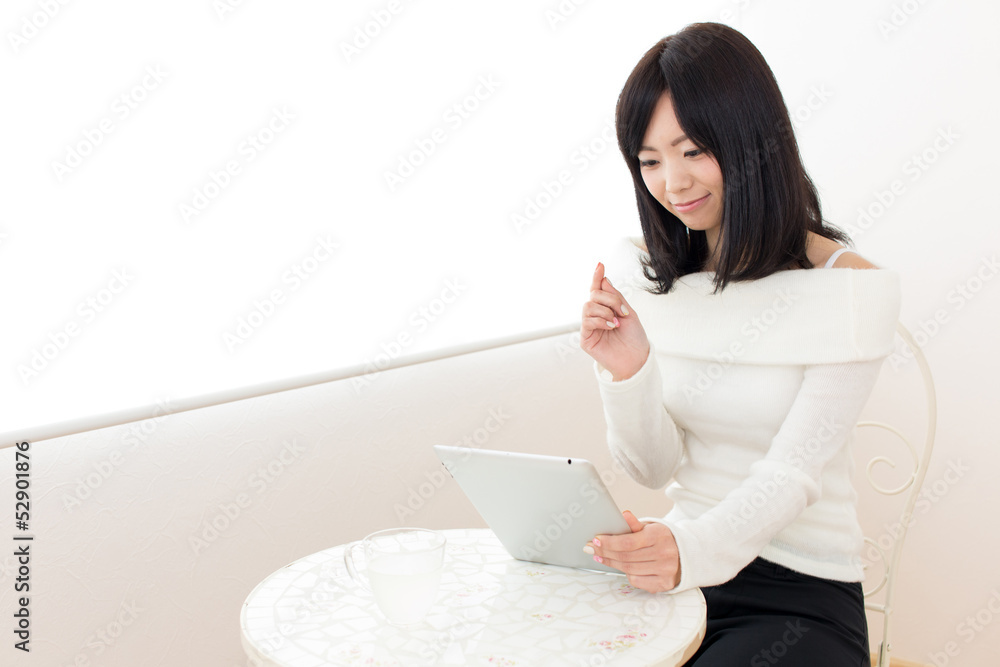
x,y
727,101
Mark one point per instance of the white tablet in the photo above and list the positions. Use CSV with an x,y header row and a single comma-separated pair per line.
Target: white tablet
x,y
543,509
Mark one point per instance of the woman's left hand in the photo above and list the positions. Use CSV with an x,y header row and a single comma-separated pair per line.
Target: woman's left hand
x,y
648,555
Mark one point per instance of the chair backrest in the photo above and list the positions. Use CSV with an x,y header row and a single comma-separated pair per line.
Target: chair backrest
x,y
912,485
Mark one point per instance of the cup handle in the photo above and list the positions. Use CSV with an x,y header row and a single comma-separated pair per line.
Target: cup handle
x,y
351,570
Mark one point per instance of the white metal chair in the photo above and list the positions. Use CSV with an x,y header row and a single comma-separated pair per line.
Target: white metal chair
x,y
890,561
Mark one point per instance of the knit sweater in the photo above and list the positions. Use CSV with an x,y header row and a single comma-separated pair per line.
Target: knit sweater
x,y
746,404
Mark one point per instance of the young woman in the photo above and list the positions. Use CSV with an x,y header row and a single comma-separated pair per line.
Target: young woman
x,y
739,369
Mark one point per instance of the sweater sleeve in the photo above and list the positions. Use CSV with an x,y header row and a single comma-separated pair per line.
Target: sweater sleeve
x,y
642,436
715,546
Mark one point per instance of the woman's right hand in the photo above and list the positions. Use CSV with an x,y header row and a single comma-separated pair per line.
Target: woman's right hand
x,y
611,332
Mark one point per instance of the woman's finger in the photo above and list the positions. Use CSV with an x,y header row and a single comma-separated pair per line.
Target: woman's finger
x,y
624,542
595,283
648,554
633,565
606,286
610,300
592,324
592,309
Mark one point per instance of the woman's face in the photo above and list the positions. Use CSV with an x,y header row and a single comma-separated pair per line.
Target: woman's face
x,y
684,179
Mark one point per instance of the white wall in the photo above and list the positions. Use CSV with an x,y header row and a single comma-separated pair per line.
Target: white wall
x,y
359,454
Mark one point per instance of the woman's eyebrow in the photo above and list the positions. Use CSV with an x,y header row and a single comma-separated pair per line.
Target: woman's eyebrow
x,y
672,143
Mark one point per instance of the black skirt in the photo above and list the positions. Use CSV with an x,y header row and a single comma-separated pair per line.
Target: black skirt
x,y
770,615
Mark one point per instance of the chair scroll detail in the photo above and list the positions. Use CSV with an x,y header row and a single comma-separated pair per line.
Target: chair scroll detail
x,y
913,484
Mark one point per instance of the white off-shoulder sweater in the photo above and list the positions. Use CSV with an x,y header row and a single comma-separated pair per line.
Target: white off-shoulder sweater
x,y
746,404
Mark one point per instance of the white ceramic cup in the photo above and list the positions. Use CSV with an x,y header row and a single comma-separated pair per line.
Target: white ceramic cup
x,y
403,569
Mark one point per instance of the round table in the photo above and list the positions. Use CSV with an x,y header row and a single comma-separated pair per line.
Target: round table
x,y
491,610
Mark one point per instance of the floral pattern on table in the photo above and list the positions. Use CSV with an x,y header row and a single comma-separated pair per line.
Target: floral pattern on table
x,y
491,610
626,589
627,639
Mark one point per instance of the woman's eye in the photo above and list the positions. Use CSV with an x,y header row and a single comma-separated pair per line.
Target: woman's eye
x,y
692,153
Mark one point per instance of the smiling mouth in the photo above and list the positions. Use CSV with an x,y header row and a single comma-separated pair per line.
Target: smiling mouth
x,y
688,203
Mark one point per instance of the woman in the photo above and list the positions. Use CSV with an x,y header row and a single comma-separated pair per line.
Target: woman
x,y
760,341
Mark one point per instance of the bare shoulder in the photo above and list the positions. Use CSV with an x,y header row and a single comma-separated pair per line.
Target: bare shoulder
x,y
852,260
819,249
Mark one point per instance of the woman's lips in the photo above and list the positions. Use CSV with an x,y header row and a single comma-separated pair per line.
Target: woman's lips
x,y
690,206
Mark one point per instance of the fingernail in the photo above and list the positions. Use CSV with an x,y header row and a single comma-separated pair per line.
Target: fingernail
x,y
597,268
611,325
598,559
596,542
624,309
587,549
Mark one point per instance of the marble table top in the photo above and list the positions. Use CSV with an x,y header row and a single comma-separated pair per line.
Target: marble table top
x,y
491,610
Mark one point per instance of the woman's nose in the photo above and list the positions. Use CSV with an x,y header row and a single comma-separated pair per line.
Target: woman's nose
x,y
675,181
